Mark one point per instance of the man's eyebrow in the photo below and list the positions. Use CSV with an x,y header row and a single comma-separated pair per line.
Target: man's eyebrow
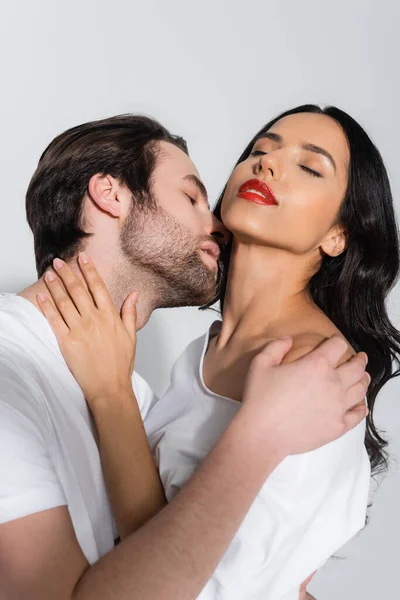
x,y
275,137
199,184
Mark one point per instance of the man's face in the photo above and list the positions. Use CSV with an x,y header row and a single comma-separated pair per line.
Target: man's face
x,y
175,243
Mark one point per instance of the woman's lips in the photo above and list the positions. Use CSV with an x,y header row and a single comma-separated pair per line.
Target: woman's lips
x,y
257,191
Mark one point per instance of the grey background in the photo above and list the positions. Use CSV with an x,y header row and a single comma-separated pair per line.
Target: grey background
x,y
213,72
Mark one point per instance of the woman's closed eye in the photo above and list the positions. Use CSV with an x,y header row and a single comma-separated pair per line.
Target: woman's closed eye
x,y
310,171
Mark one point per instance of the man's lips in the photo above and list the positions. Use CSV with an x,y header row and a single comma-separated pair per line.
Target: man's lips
x,y
211,248
212,251
257,191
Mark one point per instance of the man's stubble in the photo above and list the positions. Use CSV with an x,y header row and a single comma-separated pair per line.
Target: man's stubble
x,y
154,241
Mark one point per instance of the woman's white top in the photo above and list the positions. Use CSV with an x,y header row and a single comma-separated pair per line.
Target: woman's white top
x,y
309,507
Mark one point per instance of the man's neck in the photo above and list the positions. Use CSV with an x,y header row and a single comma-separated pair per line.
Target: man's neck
x,y
119,284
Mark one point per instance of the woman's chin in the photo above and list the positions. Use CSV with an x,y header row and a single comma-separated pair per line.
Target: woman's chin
x,y
248,232
241,219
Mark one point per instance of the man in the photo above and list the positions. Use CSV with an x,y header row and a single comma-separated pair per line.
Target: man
x,y
124,190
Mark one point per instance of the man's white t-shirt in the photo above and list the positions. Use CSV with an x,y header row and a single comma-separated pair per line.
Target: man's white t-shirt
x,y
49,455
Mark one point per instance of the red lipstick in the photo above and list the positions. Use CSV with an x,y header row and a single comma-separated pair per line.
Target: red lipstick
x,y
257,191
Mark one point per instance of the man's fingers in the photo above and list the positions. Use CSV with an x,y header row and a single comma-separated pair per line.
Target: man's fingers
x,y
54,318
95,283
61,299
274,352
357,393
354,416
331,350
129,314
352,371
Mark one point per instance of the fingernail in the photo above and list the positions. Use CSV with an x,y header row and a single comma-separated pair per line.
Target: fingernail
x,y
366,358
49,276
369,378
83,259
41,297
58,263
134,297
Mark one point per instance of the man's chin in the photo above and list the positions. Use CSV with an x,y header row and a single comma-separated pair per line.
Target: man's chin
x,y
191,293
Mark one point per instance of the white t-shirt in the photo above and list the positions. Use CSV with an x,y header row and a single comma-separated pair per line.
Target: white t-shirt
x,y
308,508
48,451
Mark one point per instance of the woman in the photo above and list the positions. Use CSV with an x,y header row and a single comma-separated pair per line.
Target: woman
x,y
314,253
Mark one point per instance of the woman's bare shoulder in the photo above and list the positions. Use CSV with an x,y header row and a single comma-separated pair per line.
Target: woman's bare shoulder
x,y
307,341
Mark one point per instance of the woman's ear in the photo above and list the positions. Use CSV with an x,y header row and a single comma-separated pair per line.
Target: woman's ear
x,y
335,242
104,191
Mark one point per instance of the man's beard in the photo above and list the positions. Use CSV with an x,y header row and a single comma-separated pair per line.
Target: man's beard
x,y
156,243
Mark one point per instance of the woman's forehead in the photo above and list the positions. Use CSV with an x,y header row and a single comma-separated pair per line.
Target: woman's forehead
x,y
315,129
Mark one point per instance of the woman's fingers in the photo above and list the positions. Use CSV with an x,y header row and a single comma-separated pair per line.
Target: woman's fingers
x,y
95,284
61,299
98,348
54,318
129,315
74,286
303,588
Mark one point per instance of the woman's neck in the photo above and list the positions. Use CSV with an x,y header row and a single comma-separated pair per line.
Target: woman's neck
x,y
266,289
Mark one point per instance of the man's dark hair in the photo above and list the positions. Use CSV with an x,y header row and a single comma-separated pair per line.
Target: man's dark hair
x,y
124,146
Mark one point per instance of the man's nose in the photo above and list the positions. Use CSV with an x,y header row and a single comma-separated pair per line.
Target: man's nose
x,y
219,231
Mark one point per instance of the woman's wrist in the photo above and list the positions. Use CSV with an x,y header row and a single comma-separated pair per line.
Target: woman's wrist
x,y
108,404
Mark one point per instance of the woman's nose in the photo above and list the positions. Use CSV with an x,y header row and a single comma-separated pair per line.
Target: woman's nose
x,y
268,167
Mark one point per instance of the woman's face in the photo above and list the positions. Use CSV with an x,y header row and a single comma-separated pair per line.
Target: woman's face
x,y
303,160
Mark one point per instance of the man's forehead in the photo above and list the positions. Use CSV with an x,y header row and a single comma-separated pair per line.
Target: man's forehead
x,y
176,160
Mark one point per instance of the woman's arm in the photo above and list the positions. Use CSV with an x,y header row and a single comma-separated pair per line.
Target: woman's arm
x,y
132,479
104,372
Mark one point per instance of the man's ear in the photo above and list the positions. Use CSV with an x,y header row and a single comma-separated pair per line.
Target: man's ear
x,y
104,191
335,242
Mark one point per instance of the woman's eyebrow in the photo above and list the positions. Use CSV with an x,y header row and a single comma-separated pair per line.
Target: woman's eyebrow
x,y
199,184
275,137
319,150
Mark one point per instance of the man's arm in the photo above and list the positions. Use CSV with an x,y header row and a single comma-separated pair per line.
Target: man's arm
x,y
287,409
171,557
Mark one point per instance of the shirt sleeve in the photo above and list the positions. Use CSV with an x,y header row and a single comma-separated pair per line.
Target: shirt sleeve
x,y
28,481
145,396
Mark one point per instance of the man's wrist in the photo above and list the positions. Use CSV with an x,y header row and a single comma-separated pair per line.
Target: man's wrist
x,y
264,453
